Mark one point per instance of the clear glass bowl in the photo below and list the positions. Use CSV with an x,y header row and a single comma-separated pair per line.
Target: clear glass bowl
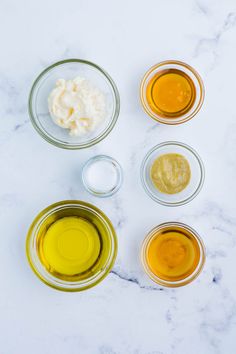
x,y
197,173
43,85
165,227
91,187
187,69
63,209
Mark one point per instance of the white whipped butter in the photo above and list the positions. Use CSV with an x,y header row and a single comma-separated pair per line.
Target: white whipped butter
x,y
77,105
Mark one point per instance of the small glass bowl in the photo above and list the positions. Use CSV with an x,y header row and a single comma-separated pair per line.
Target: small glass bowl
x,y
63,209
43,85
102,192
197,173
165,227
187,69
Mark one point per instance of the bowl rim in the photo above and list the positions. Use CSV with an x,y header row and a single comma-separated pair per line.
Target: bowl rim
x,y
171,121
200,163
52,207
168,283
74,146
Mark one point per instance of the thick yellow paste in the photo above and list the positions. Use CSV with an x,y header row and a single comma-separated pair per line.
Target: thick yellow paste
x,y
170,173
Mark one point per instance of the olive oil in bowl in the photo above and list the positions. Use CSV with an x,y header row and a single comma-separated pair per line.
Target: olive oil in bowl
x,y
70,248
71,245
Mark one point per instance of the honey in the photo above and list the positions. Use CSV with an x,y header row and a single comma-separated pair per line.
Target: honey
x,y
170,93
172,253
70,248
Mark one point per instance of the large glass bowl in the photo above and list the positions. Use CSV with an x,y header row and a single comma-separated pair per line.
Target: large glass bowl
x,y
67,208
43,85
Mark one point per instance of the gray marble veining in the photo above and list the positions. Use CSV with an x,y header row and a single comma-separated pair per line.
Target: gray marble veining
x,y
127,313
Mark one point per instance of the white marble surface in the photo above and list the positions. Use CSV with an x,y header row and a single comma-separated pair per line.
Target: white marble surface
x,y
126,313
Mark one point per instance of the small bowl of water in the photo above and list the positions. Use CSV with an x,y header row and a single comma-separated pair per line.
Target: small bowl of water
x,y
102,176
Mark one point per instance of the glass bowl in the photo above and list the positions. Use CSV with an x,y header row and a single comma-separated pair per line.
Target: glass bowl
x,y
94,166
188,231
197,173
43,85
190,72
86,211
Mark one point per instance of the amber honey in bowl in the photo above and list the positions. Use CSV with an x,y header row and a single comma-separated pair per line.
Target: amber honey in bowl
x,y
171,93
173,254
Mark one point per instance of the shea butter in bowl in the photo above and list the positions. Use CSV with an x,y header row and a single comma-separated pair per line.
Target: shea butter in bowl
x,y
71,245
172,173
74,104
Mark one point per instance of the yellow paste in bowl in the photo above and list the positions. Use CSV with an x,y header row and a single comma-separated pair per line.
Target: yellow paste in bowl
x,y
170,173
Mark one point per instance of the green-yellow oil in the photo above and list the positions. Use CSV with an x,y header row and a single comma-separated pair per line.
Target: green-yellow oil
x,y
72,247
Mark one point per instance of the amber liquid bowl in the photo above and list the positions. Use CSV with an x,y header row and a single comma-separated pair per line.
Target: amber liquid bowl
x,y
177,254
188,74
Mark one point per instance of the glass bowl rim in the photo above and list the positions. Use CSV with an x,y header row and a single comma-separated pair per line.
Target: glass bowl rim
x,y
168,283
119,174
44,214
164,120
202,172
91,142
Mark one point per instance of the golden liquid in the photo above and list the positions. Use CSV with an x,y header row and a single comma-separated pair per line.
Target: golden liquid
x,y
73,247
170,173
173,254
171,93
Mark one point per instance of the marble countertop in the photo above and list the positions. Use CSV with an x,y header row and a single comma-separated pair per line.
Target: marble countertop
x,y
127,313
